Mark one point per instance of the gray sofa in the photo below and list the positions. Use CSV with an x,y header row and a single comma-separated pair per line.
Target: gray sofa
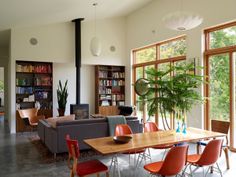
x,y
54,138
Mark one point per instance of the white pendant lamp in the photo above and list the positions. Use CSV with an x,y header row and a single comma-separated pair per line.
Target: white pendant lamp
x,y
181,20
95,44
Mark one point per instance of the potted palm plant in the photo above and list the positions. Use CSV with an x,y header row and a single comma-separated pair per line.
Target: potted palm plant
x,y
62,95
167,95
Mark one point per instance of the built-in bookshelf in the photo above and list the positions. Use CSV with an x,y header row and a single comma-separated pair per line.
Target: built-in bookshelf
x,y
33,85
110,88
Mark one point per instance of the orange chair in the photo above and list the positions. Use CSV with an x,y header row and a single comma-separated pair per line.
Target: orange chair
x,y
221,127
209,156
173,163
30,117
152,127
87,168
124,129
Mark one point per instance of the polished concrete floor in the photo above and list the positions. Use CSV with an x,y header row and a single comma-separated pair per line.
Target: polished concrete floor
x,y
19,158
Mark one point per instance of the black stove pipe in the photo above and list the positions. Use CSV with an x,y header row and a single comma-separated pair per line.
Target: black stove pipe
x,y
78,55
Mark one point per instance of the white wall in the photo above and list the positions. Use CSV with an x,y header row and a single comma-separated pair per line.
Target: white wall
x,y
63,72
141,23
56,44
87,91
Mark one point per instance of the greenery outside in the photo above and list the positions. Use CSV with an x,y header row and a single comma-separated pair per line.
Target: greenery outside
x,y
1,85
219,75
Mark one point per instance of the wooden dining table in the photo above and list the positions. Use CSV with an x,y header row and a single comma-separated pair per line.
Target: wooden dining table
x,y
107,146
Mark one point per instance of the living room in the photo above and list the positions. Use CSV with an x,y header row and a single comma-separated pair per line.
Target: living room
x,y
121,26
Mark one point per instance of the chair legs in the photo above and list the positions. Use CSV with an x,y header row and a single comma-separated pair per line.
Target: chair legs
x,y
143,156
71,173
217,168
226,157
198,148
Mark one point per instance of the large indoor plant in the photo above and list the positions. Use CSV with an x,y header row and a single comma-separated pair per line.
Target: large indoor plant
x,y
170,92
62,95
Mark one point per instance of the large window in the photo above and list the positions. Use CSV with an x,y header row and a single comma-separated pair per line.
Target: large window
x,y
220,71
161,56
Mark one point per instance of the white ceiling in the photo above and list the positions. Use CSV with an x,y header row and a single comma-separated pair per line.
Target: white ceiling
x,y
22,13
18,13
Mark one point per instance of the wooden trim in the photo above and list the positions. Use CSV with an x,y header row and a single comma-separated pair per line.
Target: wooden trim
x,y
134,57
144,105
220,50
173,59
206,93
219,27
207,40
231,77
161,42
134,94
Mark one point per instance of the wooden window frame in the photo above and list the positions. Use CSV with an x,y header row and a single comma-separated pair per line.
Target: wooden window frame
x,y
207,54
156,62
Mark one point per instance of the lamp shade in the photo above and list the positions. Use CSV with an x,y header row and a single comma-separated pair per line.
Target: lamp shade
x,y
182,21
95,46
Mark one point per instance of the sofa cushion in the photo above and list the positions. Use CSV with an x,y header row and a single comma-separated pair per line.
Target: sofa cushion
x,y
53,121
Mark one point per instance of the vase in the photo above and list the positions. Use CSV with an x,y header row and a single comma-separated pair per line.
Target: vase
x,y
178,128
61,112
184,131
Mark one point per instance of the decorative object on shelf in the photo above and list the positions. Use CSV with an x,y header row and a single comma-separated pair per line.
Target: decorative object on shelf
x,y
37,105
62,95
182,20
95,44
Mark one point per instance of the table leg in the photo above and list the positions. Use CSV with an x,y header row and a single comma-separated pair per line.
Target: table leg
x,y
115,165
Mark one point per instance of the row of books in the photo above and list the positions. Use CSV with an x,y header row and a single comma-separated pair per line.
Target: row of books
x,y
103,90
24,90
118,97
44,68
118,75
103,74
45,81
105,97
113,103
111,82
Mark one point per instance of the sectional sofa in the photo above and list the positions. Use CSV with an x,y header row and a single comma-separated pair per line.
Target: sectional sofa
x,y
54,136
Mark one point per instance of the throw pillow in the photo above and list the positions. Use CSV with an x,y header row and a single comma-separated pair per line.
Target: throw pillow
x,y
53,120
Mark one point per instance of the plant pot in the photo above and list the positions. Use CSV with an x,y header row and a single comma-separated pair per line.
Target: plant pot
x,y
61,111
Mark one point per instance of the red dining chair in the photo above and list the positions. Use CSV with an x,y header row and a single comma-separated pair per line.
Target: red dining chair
x,y
152,127
173,163
209,156
221,127
124,129
86,168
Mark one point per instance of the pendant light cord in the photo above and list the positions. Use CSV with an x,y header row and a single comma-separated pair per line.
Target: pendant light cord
x,y
95,17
